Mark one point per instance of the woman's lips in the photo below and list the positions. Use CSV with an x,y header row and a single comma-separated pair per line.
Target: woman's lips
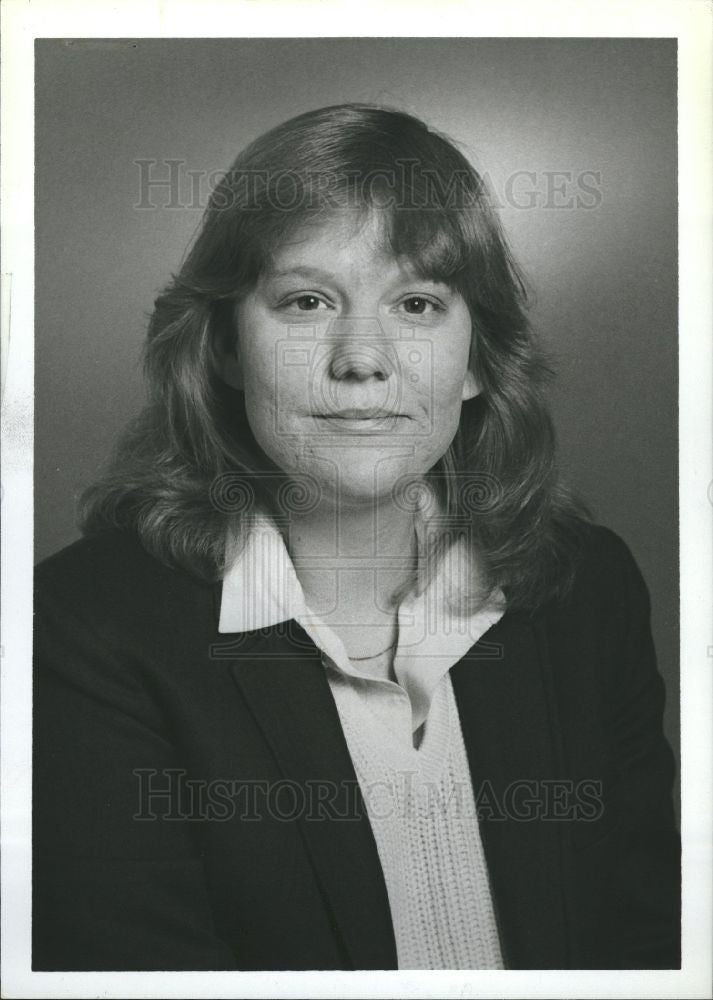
x,y
361,421
360,413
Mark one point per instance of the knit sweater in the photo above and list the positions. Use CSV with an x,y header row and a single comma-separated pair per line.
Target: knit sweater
x,y
421,809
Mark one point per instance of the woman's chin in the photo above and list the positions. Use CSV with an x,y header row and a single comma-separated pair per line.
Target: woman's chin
x,y
354,493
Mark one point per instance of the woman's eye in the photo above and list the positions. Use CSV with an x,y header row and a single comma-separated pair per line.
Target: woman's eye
x,y
307,303
417,305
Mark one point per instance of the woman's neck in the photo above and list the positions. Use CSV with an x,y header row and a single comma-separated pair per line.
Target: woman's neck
x,y
350,563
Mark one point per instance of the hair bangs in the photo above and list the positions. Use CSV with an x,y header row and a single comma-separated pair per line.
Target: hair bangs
x,y
433,243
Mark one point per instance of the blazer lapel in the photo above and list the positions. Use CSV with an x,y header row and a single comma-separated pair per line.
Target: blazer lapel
x,y
284,682
501,688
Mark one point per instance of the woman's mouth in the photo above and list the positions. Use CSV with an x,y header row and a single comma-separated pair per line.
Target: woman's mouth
x,y
361,420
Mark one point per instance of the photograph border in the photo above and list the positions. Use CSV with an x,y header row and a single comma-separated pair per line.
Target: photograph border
x,y
691,22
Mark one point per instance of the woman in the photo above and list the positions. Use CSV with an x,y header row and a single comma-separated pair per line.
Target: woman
x,y
340,676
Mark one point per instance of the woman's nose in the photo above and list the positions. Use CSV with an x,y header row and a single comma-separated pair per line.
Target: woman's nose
x,y
360,350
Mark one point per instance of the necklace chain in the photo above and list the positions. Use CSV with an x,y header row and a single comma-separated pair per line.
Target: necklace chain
x,y
372,656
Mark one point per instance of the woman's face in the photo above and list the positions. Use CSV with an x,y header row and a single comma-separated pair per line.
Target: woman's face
x,y
353,368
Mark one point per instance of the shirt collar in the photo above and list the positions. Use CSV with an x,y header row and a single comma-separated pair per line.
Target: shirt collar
x,y
261,589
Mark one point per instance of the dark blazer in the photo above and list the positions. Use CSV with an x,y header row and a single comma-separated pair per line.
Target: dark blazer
x,y
267,860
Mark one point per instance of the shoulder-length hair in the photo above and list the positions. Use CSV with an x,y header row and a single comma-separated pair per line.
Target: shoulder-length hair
x,y
188,471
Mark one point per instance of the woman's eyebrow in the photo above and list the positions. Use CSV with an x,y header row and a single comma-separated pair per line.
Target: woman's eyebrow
x,y
405,277
301,271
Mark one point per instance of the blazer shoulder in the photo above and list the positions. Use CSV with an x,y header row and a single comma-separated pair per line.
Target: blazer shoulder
x,y
607,576
109,559
602,551
110,580
92,550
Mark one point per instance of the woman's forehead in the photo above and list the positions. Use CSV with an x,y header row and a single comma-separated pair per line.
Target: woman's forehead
x,y
336,228
342,237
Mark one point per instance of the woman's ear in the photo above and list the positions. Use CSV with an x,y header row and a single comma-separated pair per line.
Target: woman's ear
x,y
471,383
471,386
230,367
231,371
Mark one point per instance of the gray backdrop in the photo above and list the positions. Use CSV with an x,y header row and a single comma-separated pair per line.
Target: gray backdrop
x,y
578,138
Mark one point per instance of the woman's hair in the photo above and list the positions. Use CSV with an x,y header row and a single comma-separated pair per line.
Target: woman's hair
x,y
188,470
